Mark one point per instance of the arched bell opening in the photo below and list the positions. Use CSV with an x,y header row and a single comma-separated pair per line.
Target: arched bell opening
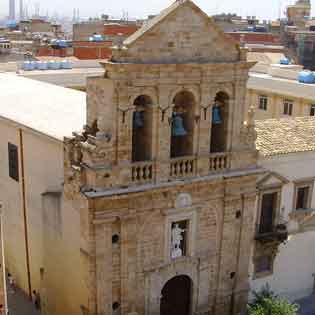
x,y
142,129
176,296
219,128
182,132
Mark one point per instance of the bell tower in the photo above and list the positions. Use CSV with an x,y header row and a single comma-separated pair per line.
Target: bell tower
x,y
167,168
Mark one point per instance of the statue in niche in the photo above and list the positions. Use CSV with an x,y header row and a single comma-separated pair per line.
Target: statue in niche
x,y
177,246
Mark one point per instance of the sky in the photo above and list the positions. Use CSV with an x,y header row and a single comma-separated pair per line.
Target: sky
x,y
264,9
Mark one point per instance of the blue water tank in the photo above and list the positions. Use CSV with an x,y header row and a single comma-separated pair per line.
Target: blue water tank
x,y
284,61
11,24
42,65
306,77
62,43
26,66
65,64
97,38
53,65
32,65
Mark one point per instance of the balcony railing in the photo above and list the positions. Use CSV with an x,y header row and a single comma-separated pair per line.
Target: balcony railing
x,y
182,167
218,162
142,172
179,168
278,233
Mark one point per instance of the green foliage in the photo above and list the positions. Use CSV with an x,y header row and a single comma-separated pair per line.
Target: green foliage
x,y
267,303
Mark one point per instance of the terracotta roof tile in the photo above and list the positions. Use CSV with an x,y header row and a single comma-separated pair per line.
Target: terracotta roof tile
x,y
283,136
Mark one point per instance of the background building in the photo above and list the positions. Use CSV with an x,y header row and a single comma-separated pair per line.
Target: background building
x,y
286,149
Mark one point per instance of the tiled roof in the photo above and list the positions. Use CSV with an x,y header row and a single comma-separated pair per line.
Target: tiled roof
x,y
283,136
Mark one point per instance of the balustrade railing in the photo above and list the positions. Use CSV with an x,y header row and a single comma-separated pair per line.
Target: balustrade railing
x,y
182,167
218,162
142,172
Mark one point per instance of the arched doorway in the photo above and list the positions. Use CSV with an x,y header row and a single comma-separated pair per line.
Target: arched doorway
x,y
176,296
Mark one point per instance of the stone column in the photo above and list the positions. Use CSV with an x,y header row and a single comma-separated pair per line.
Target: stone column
x,y
207,101
237,108
128,264
103,242
227,253
155,131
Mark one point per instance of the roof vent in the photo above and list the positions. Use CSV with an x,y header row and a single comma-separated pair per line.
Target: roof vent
x,y
306,77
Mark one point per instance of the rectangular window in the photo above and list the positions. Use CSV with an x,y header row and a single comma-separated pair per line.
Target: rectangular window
x,y
302,198
13,161
263,102
312,110
287,107
268,211
263,264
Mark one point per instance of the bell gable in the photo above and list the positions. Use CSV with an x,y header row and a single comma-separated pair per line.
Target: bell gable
x,y
182,33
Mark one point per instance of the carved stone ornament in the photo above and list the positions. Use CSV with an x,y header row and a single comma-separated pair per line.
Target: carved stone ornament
x,y
248,132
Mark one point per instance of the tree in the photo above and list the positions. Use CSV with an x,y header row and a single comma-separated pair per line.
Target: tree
x,y
267,303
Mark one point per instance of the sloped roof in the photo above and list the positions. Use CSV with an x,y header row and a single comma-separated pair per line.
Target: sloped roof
x,y
283,136
46,108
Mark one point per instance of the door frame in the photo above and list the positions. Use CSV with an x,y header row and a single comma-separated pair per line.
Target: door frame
x,y
156,279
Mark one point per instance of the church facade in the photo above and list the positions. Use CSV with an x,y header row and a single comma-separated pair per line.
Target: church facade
x,y
163,177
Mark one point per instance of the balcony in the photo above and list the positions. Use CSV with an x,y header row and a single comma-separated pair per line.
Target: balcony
x,y
218,162
179,168
142,172
183,167
277,234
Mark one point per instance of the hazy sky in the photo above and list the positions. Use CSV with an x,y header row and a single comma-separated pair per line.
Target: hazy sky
x,y
265,9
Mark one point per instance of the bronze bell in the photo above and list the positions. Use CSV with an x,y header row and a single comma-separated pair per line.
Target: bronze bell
x,y
178,129
216,115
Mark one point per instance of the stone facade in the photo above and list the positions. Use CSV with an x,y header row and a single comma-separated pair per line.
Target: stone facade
x,y
136,196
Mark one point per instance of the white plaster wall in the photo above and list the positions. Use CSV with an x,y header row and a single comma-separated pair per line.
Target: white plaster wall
x,y
295,263
294,167
293,268
43,161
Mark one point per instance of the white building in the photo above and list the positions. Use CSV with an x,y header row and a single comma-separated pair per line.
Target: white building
x,y
287,151
34,118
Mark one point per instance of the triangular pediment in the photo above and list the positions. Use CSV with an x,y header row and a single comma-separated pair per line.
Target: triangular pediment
x,y
272,179
182,33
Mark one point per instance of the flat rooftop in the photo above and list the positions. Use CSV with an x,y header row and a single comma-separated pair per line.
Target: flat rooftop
x,y
281,86
52,110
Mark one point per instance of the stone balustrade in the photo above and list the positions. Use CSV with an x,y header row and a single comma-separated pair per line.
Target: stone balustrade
x,y
218,162
142,172
179,168
183,167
